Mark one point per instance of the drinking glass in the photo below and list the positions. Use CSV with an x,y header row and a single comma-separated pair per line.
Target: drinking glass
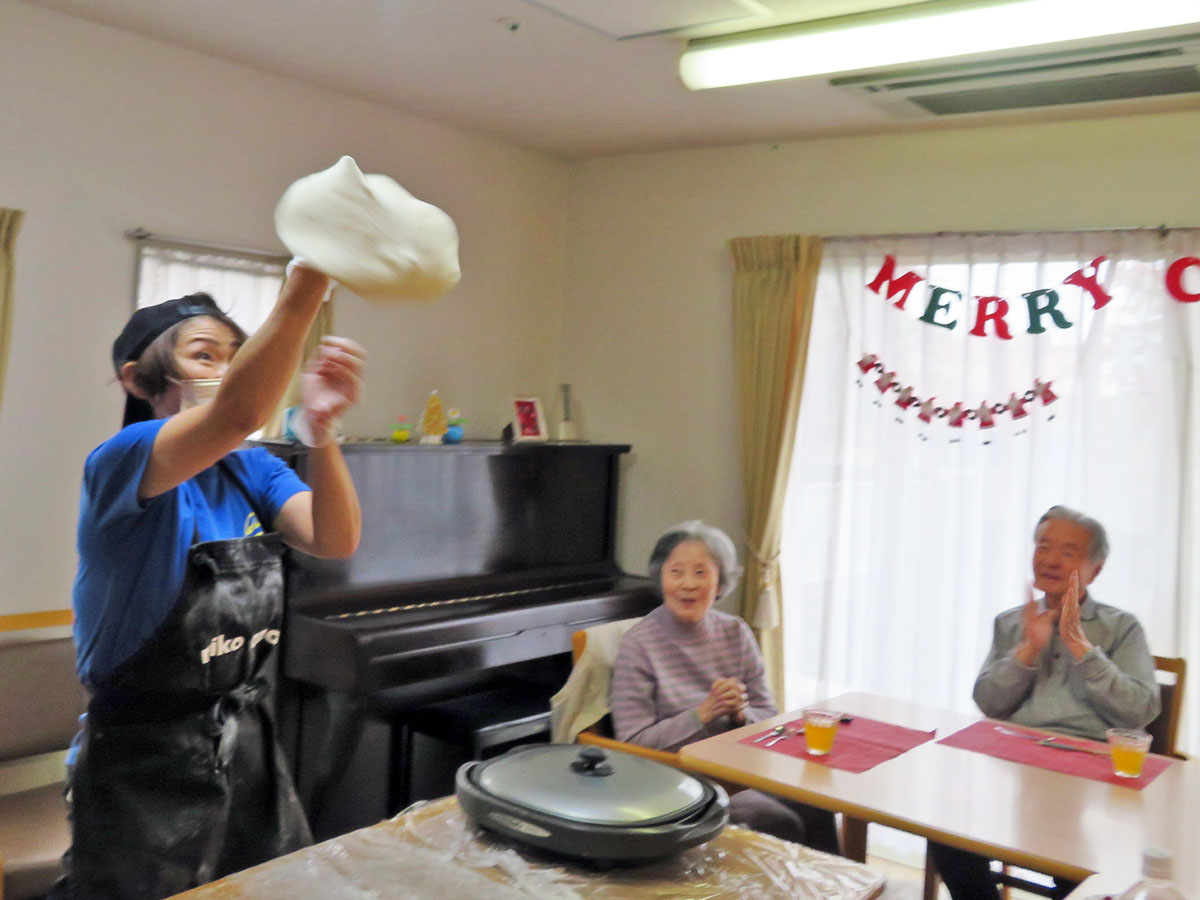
x,y
1128,748
820,727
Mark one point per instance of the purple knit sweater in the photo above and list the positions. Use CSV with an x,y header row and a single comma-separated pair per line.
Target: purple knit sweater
x,y
665,668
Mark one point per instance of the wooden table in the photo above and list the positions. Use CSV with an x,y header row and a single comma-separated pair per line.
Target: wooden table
x,y
1046,821
433,852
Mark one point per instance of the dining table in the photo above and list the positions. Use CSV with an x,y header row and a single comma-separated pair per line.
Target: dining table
x,y
1052,822
433,851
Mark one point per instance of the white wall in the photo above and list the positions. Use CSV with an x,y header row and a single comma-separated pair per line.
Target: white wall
x,y
647,331
102,131
624,291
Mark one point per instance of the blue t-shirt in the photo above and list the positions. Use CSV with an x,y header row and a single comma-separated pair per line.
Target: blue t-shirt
x,y
132,553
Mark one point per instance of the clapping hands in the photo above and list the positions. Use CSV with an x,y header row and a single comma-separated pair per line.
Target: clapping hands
x,y
1039,626
1037,629
726,697
1070,627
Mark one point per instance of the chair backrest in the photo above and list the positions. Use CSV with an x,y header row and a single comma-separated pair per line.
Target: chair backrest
x,y
1164,730
608,636
603,728
600,734
578,644
41,698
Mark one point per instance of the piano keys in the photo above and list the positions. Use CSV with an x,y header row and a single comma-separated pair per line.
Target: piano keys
x,y
428,635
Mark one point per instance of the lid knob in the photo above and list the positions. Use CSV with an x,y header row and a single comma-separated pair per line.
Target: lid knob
x,y
593,762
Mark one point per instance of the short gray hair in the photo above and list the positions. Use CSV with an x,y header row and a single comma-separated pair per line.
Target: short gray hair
x,y
718,544
1097,551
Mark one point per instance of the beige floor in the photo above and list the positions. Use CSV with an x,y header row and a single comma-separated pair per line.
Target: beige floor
x,y
903,883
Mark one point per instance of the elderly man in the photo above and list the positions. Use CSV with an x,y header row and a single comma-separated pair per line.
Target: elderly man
x,y
1065,663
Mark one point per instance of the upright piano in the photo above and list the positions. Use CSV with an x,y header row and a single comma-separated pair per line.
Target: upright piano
x,y
477,560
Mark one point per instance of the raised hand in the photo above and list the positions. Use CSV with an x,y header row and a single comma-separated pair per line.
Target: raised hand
x,y
726,697
1070,627
330,386
1037,629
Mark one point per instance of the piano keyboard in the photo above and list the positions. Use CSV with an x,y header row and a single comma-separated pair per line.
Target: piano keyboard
x,y
454,601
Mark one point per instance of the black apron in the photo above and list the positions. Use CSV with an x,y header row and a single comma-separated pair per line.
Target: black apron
x,y
179,777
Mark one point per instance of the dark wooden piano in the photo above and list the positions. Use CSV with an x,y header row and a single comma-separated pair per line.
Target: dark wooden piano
x,y
477,562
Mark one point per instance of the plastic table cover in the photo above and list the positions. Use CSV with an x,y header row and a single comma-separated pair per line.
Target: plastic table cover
x,y
432,851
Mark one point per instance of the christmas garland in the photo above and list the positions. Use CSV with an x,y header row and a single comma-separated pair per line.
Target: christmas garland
x,y
957,414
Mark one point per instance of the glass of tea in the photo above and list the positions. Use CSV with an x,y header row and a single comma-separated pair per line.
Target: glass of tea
x,y
1128,748
820,728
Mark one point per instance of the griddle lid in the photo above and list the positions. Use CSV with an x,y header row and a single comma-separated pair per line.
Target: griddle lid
x,y
589,785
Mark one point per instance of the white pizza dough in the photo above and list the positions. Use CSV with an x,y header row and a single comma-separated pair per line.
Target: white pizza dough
x,y
369,234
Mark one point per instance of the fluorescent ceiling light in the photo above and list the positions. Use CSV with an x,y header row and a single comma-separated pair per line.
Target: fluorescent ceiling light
x,y
923,31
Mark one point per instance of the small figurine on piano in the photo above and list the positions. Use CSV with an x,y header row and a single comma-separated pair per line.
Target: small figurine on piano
x,y
402,432
454,427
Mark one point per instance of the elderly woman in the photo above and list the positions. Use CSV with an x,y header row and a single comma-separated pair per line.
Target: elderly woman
x,y
688,671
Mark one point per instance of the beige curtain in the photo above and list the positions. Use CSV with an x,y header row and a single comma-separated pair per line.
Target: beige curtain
x,y
774,281
321,327
10,224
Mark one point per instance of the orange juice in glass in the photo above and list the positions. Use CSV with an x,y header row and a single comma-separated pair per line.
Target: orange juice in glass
x,y
1128,748
820,728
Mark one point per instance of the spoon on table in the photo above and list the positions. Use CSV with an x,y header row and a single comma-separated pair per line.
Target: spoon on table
x,y
787,733
773,733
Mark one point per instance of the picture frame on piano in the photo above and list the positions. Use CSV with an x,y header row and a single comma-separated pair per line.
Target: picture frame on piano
x,y
529,419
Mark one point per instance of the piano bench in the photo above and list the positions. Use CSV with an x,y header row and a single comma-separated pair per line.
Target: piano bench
x,y
480,722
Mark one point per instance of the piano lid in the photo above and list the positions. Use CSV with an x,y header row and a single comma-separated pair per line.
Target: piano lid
x,y
479,510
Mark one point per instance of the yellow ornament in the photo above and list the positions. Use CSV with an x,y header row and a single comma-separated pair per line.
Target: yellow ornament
x,y
433,421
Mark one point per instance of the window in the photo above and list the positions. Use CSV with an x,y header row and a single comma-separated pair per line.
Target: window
x,y
243,283
903,538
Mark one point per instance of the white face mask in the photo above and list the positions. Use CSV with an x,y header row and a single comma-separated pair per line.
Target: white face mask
x,y
196,391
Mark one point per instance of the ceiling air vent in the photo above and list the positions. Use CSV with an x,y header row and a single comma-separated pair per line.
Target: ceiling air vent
x,y
1114,72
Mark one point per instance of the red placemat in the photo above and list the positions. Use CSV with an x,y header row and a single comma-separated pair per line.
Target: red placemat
x,y
983,737
860,744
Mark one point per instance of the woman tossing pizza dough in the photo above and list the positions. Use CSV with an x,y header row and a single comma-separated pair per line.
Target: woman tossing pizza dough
x,y
369,234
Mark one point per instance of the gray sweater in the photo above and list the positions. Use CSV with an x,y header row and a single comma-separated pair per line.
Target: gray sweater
x,y
665,668
1111,686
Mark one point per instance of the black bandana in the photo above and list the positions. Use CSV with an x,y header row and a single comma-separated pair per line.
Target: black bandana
x,y
139,333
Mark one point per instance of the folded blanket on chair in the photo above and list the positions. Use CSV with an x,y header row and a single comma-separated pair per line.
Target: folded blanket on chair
x,y
583,700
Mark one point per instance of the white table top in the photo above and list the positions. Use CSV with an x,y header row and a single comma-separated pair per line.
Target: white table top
x,y
1054,823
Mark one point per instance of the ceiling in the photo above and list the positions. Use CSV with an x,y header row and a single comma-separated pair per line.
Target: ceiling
x,y
573,78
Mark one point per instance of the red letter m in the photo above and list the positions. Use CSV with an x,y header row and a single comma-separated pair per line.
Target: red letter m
x,y
902,285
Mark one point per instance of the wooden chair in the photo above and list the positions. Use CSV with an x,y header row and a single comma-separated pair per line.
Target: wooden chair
x,y
600,734
1164,730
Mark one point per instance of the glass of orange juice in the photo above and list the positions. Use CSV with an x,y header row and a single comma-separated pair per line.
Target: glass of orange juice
x,y
1128,748
820,727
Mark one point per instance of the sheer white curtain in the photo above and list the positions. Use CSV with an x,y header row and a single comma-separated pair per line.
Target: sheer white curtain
x,y
245,288
902,540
